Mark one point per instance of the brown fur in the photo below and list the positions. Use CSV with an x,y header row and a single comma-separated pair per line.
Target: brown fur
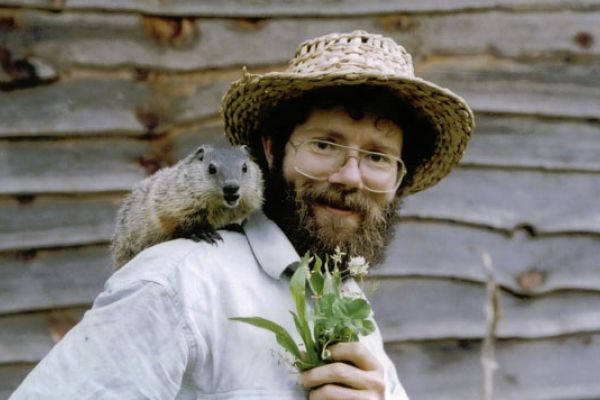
x,y
187,200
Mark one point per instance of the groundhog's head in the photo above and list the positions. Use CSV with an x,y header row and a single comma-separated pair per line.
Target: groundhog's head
x,y
227,175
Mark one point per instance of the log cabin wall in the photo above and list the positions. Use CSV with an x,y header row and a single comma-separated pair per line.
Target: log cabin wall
x,y
97,94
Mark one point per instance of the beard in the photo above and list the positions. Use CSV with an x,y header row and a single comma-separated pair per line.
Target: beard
x,y
293,210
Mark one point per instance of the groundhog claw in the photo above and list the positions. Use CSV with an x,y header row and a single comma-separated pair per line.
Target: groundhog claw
x,y
211,237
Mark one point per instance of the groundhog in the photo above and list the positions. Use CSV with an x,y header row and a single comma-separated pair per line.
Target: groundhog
x,y
207,190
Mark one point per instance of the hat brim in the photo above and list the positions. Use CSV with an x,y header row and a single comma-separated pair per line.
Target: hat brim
x,y
248,99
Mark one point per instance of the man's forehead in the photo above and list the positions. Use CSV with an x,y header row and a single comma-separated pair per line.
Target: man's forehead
x,y
369,128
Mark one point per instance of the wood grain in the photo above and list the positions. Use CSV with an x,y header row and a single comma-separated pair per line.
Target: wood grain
x,y
52,279
423,309
504,199
298,8
522,264
550,369
86,39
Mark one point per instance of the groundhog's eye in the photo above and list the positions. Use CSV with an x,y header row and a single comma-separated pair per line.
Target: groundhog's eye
x,y
212,169
244,168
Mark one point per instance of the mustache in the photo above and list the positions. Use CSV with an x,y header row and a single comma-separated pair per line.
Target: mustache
x,y
353,200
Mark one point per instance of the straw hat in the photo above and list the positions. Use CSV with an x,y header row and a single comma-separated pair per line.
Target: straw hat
x,y
356,58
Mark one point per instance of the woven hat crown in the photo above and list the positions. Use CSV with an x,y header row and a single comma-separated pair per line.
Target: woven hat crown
x,y
356,52
354,59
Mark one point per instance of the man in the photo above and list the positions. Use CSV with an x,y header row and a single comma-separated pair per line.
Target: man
x,y
342,136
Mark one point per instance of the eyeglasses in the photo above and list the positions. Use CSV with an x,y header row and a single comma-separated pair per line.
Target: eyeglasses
x,y
318,159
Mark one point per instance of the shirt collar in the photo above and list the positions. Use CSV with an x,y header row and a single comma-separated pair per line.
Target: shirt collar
x,y
270,246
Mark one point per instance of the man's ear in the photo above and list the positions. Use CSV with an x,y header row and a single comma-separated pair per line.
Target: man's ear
x,y
267,144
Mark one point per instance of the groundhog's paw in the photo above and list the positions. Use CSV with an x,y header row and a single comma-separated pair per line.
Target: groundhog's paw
x,y
209,236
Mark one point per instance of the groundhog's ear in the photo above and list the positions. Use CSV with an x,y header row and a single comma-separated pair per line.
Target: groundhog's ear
x,y
199,153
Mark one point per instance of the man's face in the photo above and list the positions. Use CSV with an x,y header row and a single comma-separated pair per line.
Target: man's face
x,y
319,215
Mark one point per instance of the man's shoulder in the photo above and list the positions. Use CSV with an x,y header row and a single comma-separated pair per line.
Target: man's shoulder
x,y
173,262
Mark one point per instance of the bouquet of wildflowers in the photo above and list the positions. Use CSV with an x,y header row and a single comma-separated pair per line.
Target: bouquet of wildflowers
x,y
333,317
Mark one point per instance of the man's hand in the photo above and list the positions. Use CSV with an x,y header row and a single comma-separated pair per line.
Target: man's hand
x,y
353,374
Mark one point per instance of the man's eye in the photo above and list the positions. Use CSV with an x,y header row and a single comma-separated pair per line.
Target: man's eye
x,y
322,146
378,158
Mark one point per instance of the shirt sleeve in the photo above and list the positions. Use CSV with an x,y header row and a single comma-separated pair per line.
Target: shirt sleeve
x,y
132,344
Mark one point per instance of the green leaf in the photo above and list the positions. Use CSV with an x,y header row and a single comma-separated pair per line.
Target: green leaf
x,y
304,330
368,327
282,336
298,287
358,309
317,279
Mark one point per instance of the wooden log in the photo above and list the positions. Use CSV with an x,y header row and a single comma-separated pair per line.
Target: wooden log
x,y
554,90
503,199
95,164
101,106
46,221
52,279
424,309
27,338
187,44
522,264
551,369
299,8
505,141
107,107
76,165
11,375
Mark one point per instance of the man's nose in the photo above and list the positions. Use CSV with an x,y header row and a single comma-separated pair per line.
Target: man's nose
x,y
348,174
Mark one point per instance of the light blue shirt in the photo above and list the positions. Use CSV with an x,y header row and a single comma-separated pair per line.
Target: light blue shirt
x,y
161,329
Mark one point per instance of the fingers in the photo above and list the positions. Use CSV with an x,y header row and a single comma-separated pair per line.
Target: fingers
x,y
341,374
355,353
354,373
329,392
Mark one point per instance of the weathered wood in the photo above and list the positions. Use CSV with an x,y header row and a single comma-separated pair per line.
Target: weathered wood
x,y
551,369
189,139
111,106
52,279
95,164
91,107
56,221
522,264
24,338
244,8
75,165
423,309
87,39
27,338
503,199
534,143
541,89
11,376
73,107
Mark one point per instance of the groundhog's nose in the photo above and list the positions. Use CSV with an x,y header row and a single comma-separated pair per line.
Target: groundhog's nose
x,y
231,194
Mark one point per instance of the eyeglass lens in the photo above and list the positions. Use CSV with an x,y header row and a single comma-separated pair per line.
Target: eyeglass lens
x,y
318,159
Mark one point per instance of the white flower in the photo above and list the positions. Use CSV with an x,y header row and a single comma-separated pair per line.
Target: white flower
x,y
337,256
358,266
